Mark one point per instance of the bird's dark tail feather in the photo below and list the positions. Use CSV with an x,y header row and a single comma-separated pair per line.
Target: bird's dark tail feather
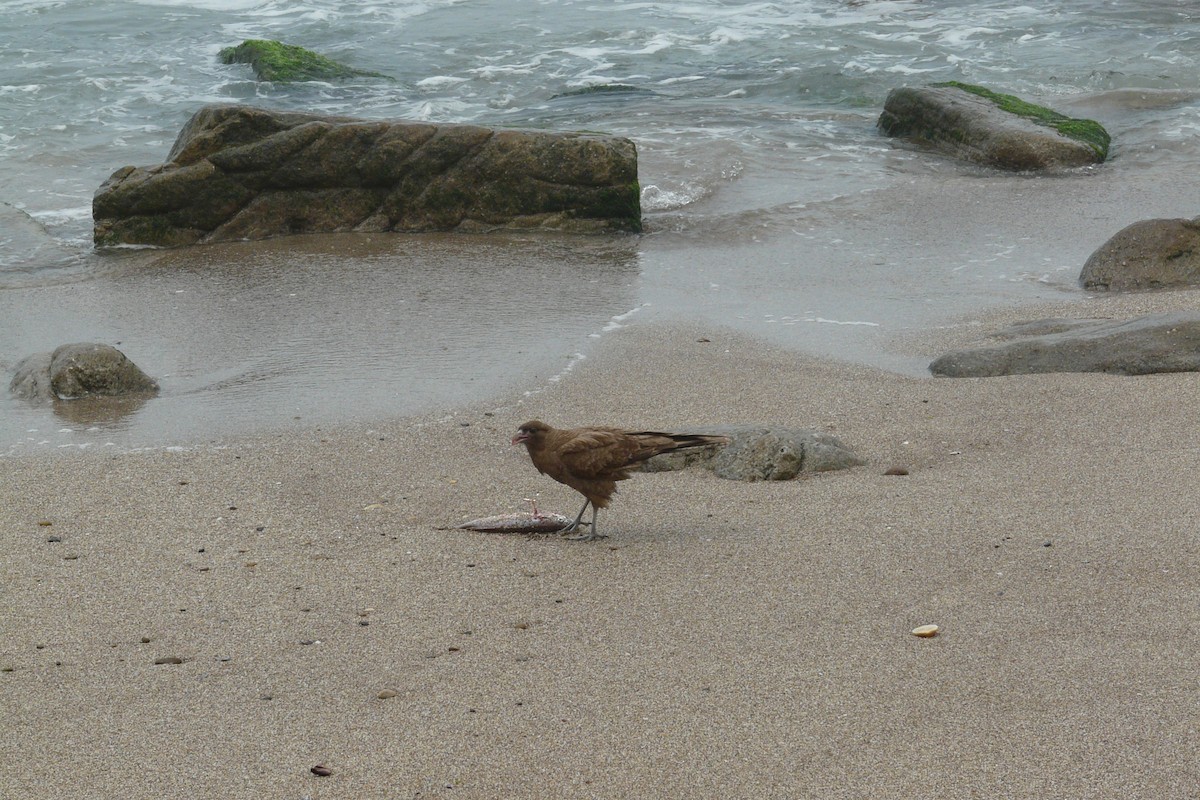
x,y
658,442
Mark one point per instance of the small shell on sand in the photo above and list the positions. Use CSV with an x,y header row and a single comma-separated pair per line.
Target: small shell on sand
x,y
925,631
522,522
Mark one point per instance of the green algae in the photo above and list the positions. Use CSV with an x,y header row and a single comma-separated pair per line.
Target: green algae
x,y
286,63
1088,131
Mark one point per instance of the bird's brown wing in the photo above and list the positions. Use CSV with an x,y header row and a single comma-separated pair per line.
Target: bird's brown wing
x,y
596,453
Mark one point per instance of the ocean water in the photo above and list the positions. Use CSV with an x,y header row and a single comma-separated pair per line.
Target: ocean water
x,y
771,202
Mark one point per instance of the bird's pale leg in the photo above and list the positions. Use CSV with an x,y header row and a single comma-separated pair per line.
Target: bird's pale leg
x,y
591,534
574,526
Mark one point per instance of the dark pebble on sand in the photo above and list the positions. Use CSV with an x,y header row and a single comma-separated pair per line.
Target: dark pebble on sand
x,y
168,660
54,539
896,471
321,772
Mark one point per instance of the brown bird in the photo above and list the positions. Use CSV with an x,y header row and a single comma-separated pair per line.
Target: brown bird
x,y
592,460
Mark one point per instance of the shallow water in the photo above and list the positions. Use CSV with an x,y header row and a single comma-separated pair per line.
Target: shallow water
x,y
771,203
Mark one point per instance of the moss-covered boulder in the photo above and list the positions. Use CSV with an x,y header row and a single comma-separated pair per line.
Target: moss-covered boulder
x,y
239,172
276,61
990,128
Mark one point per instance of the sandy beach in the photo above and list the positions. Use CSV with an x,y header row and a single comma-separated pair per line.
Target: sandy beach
x,y
728,639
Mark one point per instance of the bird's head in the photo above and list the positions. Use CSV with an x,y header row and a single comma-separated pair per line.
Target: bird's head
x,y
531,433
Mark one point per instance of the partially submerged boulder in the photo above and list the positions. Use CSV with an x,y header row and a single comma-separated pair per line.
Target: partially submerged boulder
x,y
759,453
79,370
285,63
1150,254
1139,346
997,130
239,172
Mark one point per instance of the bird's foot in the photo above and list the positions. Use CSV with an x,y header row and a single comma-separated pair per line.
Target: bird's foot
x,y
585,536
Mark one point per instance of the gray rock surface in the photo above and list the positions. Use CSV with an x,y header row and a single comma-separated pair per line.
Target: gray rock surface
x,y
1139,346
764,453
971,127
1150,254
79,370
239,172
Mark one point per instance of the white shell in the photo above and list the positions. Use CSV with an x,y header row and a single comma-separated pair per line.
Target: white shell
x,y
925,631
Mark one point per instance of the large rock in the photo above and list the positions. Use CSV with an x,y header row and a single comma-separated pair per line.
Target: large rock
x,y
997,130
1151,254
1153,343
238,172
759,453
79,370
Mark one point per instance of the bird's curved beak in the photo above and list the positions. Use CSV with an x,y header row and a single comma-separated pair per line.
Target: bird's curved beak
x,y
522,436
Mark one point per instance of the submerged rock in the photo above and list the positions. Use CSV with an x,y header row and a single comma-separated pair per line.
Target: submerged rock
x,y
238,172
276,61
79,370
1150,254
997,130
1139,346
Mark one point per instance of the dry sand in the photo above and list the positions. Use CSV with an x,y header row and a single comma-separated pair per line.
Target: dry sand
x,y
728,640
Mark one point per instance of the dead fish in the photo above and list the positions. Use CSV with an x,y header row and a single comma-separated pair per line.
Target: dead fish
x,y
519,522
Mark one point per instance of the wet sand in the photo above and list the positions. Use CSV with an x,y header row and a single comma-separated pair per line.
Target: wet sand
x,y
727,640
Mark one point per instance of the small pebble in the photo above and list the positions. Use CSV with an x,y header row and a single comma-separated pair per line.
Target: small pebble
x,y
321,771
71,557
925,631
53,538
145,640
386,693
896,471
45,523
168,660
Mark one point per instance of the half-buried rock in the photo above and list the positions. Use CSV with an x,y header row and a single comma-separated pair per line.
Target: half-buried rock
x,y
1150,254
1139,346
764,453
79,370
239,172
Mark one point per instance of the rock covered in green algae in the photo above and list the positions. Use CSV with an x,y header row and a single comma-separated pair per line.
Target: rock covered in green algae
x,y
285,63
990,128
